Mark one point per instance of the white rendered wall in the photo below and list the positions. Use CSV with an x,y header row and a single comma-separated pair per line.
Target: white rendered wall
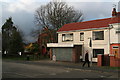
x,y
96,44
114,37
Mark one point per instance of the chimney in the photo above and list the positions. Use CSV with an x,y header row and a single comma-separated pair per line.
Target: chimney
x,y
114,13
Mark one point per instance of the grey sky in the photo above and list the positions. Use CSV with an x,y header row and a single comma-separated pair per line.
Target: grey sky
x,y
22,11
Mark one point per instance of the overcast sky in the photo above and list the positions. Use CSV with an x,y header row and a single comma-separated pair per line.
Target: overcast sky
x,y
22,11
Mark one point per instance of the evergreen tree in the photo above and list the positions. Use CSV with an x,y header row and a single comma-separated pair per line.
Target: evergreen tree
x,y
12,41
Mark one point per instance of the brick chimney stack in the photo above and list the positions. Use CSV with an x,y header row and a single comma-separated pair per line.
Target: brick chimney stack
x,y
114,13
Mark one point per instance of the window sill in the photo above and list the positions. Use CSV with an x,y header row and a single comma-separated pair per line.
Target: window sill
x,y
81,40
67,41
99,40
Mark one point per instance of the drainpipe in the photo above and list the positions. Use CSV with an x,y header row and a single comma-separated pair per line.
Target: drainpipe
x,y
91,51
109,39
91,55
83,51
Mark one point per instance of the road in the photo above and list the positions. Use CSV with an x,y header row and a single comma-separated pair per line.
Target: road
x,y
21,70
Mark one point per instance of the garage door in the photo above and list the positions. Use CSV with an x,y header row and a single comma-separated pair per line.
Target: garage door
x,y
63,54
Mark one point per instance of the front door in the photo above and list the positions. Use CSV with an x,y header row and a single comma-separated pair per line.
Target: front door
x,y
115,51
78,51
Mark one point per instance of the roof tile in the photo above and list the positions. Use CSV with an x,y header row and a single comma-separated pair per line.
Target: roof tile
x,y
90,24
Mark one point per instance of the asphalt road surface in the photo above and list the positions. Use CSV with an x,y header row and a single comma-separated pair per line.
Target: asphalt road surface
x,y
21,70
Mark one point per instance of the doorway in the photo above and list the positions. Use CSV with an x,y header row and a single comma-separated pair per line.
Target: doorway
x,y
78,52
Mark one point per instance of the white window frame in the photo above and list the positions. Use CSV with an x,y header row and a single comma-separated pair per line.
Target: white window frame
x,y
94,35
67,37
81,36
94,55
117,30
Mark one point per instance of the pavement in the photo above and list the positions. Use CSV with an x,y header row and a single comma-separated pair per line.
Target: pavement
x,y
71,65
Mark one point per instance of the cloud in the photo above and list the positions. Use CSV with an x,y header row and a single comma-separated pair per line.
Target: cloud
x,y
22,5
29,38
26,0
92,0
22,11
94,10
119,6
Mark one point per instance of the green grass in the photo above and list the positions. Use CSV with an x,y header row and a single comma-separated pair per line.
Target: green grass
x,y
113,68
14,58
24,58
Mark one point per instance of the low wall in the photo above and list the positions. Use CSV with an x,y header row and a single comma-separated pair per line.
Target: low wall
x,y
114,62
103,60
99,63
106,60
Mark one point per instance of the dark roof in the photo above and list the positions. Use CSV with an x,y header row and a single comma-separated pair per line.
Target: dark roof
x,y
90,24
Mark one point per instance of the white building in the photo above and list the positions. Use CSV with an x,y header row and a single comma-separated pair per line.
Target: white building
x,y
104,35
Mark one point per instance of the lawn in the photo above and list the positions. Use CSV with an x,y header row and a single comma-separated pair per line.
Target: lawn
x,y
25,58
113,68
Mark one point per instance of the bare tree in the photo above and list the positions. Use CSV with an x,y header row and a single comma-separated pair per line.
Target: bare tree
x,y
55,14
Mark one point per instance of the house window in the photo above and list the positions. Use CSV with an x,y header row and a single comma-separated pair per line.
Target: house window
x,y
118,30
115,47
97,51
81,36
98,35
67,37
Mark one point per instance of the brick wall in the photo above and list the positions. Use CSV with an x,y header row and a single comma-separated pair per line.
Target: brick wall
x,y
99,56
73,55
103,60
106,60
114,62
